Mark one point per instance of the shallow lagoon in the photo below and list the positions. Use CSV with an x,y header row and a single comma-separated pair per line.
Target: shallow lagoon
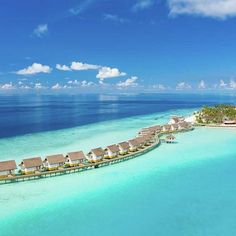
x,y
178,189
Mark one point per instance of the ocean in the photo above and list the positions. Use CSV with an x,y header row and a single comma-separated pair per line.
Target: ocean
x,y
186,188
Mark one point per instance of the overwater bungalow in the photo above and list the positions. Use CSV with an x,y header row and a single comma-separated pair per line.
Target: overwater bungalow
x,y
170,138
150,130
183,125
96,154
166,128
54,161
31,165
176,119
148,139
142,141
133,145
174,127
112,151
124,148
75,158
7,168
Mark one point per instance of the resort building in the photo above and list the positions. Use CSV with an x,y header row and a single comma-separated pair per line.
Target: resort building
x,y
112,151
7,168
54,161
150,130
176,120
148,139
31,165
166,128
124,148
229,122
133,145
96,154
184,125
174,127
170,138
142,141
75,158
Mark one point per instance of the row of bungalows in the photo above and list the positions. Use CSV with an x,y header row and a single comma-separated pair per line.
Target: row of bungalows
x,y
36,164
123,148
151,130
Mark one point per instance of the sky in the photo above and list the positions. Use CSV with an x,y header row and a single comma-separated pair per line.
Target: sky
x,y
126,45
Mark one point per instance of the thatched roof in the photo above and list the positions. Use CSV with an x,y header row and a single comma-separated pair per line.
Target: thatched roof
x,y
55,159
32,162
98,151
7,165
74,156
124,145
113,148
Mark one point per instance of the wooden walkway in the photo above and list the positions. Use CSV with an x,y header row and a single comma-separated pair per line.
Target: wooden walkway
x,y
88,166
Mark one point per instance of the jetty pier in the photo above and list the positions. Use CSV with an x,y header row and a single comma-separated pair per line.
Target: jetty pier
x,y
74,162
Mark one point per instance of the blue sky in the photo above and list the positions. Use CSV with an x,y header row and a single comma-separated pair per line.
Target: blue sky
x,y
151,45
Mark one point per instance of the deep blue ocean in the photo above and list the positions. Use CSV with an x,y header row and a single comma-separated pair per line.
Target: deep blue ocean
x,y
30,113
182,189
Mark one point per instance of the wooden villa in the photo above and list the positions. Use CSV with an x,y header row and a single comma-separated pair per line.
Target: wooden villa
x,y
170,138
112,151
133,145
96,154
31,165
176,119
54,161
166,128
75,158
7,168
124,148
174,127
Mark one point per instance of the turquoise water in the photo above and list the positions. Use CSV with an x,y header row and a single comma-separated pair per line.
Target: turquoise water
x,y
187,188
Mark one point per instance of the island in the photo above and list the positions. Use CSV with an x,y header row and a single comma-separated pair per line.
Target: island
x,y
218,115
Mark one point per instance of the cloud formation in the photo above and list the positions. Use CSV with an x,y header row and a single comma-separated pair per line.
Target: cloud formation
x,y
202,84
84,5
207,8
115,18
183,86
83,66
108,72
130,82
63,67
35,68
41,30
142,5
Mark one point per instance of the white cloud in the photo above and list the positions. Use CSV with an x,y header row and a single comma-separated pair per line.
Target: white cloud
x,y
232,84
108,72
84,5
222,84
57,86
35,68
41,30
202,84
83,83
63,67
159,87
142,5
83,66
115,18
39,86
130,82
208,8
183,86
7,86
